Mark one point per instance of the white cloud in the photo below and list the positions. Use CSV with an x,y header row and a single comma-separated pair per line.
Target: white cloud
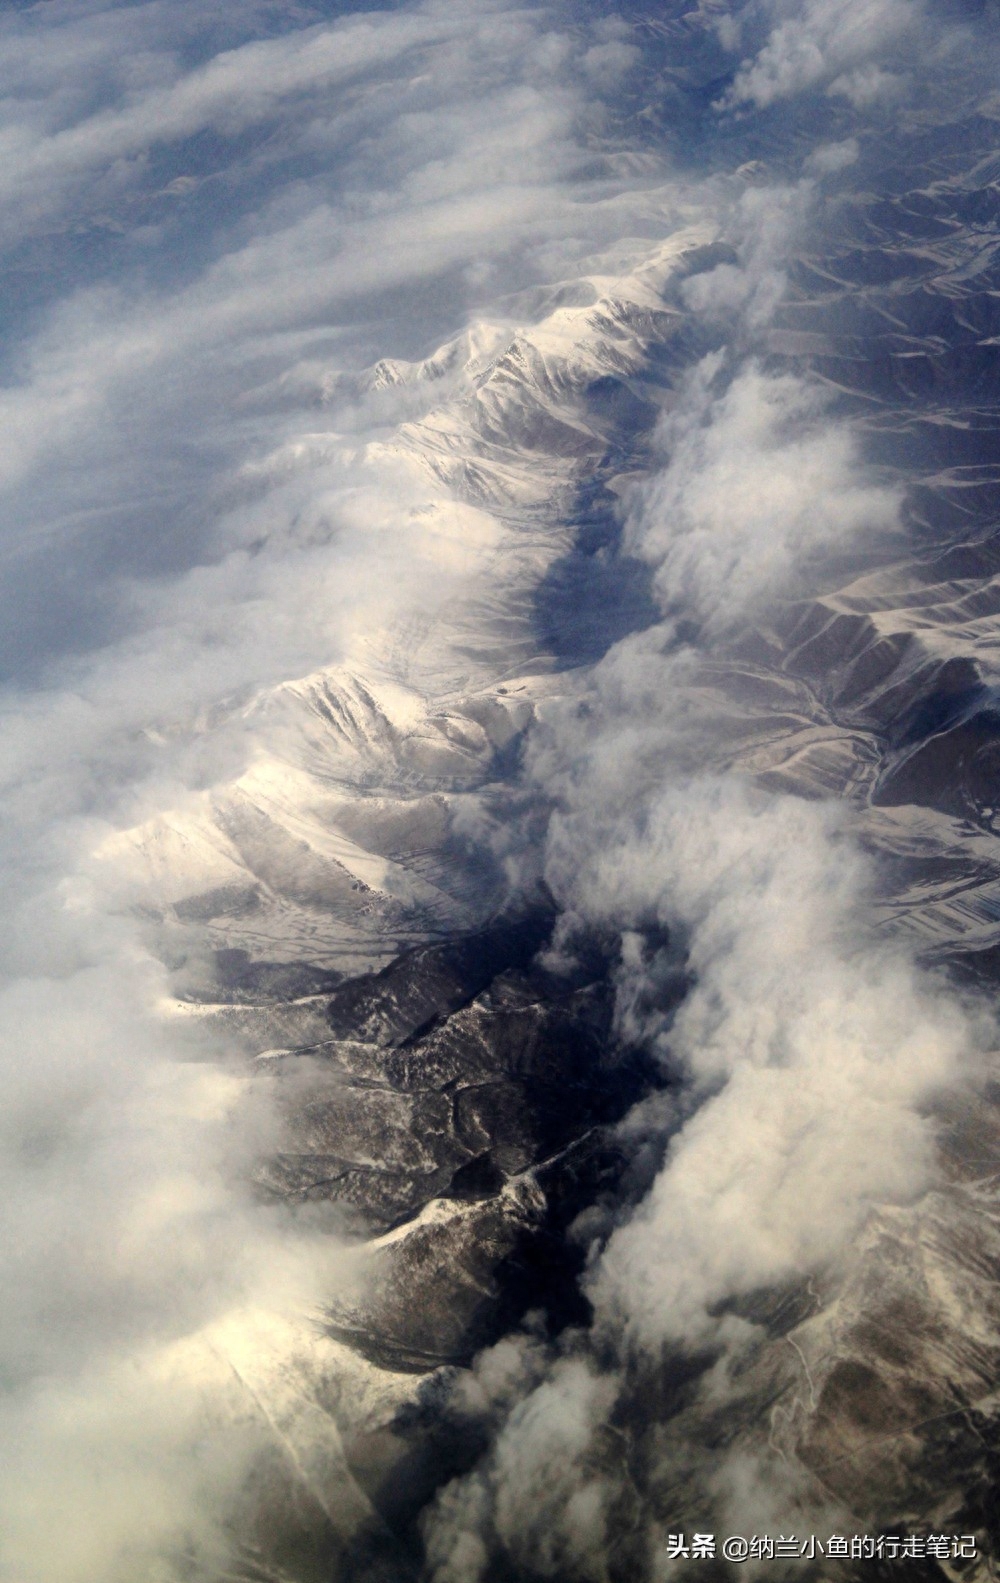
x,y
537,1498
814,1047
809,46
757,480
830,158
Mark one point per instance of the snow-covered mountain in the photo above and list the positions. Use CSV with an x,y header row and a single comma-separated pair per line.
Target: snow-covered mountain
x,y
343,909
505,883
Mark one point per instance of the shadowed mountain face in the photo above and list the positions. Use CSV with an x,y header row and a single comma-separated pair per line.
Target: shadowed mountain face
x,y
518,753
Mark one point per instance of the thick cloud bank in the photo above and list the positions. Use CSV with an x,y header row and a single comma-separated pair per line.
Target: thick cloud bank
x,y
277,280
